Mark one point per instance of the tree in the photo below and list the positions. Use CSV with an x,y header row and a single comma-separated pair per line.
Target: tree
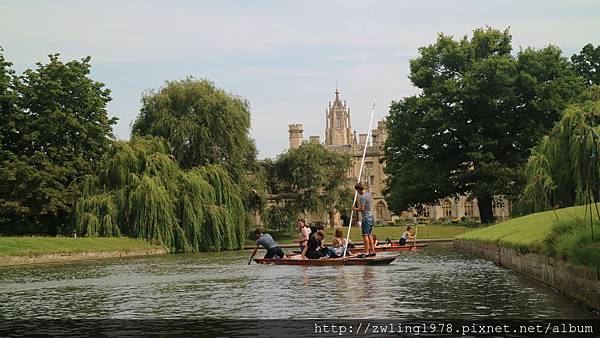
x,y
587,63
55,128
202,123
471,128
141,191
564,168
314,177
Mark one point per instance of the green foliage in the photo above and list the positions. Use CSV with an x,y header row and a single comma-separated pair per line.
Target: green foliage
x,y
202,123
564,168
141,191
571,240
280,218
480,111
313,177
587,63
54,128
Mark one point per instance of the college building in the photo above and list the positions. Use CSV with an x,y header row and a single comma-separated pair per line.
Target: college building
x,y
341,137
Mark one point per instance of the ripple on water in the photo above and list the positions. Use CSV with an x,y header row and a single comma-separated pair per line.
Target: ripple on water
x,y
437,282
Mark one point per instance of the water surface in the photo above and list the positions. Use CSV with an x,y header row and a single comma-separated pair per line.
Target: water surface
x,y
437,282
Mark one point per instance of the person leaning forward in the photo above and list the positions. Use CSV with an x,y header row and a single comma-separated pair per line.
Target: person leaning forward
x,y
267,242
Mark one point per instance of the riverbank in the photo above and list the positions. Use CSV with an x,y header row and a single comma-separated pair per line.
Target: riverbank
x,y
554,247
32,250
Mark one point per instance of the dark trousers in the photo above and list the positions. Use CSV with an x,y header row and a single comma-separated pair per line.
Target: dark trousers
x,y
275,252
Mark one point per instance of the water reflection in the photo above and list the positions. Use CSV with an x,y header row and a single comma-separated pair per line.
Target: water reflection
x,y
437,282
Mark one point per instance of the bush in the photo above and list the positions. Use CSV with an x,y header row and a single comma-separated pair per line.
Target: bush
x,y
571,240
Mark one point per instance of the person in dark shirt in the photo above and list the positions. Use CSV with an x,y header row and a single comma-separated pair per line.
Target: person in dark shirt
x,y
267,242
314,247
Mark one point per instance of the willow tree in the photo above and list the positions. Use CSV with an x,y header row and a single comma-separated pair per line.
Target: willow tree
x,y
564,168
202,123
141,191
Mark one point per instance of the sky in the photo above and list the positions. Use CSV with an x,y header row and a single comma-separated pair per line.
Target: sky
x,y
285,57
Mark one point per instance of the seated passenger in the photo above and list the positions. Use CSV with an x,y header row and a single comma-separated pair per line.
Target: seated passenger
x,y
314,247
339,233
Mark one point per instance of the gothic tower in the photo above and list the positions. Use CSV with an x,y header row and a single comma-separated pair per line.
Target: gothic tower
x,y
338,128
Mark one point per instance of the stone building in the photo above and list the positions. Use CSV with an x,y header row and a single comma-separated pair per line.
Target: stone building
x,y
340,136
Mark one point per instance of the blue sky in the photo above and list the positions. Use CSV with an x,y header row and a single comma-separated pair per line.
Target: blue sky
x,y
285,57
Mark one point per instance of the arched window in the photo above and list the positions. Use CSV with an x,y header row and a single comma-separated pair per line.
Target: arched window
x,y
338,121
447,209
380,210
469,208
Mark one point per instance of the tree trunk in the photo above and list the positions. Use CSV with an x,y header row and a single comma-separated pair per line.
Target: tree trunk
x,y
484,201
331,219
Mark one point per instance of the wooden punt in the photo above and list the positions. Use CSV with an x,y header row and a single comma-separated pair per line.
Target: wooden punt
x,y
381,260
393,248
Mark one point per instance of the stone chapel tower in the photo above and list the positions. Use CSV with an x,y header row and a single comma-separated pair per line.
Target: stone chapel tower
x,y
296,132
338,128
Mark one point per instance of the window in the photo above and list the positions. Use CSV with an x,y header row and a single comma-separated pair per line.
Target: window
x,y
469,208
447,209
380,210
338,121
426,211
497,207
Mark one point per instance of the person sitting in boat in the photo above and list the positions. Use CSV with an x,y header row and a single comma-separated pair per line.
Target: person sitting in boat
x,y
304,233
267,242
406,236
375,241
338,248
314,247
339,233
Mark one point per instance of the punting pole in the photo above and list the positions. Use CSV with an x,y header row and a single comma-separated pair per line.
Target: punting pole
x,y
416,233
362,163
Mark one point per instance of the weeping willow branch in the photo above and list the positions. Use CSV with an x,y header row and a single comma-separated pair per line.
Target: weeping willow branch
x,y
565,165
141,191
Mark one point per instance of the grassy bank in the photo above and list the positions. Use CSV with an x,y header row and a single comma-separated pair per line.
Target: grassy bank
x,y
383,232
562,233
35,246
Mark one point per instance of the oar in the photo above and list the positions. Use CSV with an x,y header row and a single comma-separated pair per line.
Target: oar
x,y
254,253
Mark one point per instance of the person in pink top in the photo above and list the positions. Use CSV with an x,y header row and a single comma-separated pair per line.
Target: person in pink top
x,y
304,233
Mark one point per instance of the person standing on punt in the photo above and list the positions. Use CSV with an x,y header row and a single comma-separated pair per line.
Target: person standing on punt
x,y
366,200
267,242
304,234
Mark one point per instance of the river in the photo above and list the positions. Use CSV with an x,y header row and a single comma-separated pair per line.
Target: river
x,y
437,282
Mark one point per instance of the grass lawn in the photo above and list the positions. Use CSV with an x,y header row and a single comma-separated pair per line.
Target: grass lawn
x,y
568,238
24,246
